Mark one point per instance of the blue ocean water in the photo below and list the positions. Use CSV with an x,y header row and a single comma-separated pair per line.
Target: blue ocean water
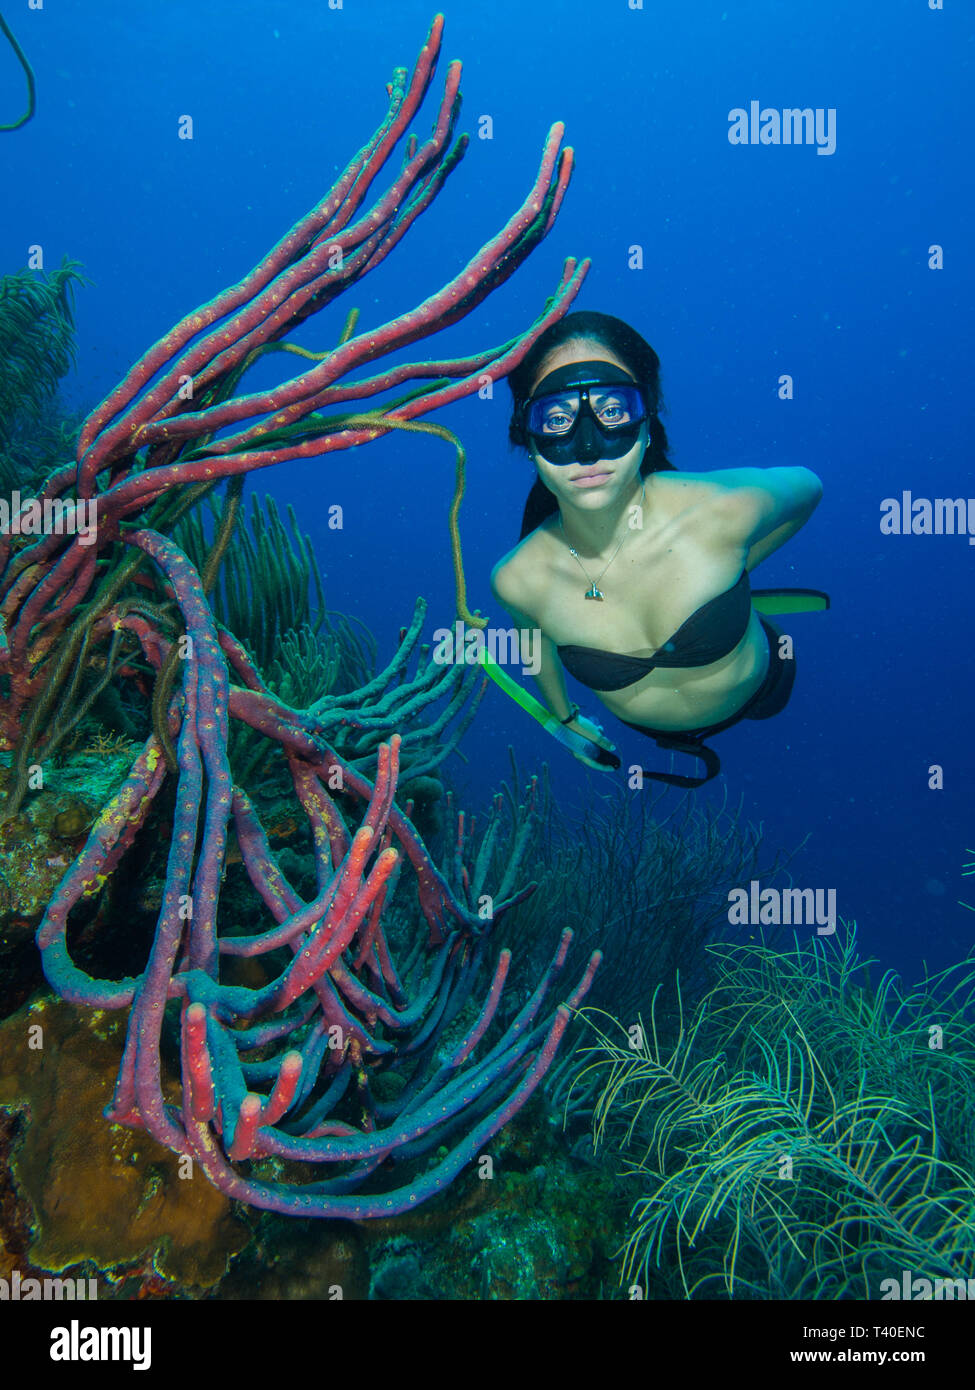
x,y
758,261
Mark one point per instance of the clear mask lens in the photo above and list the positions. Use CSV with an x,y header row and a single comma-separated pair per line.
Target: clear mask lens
x,y
613,407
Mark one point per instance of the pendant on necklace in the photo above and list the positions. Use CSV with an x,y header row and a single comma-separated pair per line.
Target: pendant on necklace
x,y
594,593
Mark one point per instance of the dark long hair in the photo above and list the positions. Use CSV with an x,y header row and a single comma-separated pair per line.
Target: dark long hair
x,y
638,357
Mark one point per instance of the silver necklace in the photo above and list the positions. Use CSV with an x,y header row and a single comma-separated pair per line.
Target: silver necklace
x,y
593,592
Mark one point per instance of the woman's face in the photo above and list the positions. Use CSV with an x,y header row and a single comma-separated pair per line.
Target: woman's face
x,y
591,484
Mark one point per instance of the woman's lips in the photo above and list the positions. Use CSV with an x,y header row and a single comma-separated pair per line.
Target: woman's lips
x,y
591,480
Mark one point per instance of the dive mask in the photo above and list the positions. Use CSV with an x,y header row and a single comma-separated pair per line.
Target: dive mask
x,y
584,412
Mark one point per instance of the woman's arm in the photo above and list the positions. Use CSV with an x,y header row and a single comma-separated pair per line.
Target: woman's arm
x,y
765,507
550,678
768,544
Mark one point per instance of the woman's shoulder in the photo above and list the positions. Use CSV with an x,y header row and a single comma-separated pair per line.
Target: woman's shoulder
x,y
744,504
514,577
713,493
752,492
724,480
681,496
697,484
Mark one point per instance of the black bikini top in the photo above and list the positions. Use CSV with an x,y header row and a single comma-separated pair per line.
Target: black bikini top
x,y
709,634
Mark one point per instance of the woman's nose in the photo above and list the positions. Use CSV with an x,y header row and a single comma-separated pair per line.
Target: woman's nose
x,y
588,444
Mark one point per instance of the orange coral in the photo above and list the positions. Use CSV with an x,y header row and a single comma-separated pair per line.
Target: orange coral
x,y
99,1192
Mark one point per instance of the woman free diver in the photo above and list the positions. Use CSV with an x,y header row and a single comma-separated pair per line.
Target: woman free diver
x,y
637,576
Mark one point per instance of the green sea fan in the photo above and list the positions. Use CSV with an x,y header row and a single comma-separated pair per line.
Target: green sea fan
x,y
798,1135
36,341
36,350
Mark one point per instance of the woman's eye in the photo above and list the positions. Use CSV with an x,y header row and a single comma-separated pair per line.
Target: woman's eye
x,y
557,422
611,410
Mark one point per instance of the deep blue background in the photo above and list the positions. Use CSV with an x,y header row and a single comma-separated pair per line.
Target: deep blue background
x,y
758,261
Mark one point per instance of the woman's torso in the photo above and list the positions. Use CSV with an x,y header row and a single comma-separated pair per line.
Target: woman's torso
x,y
680,560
